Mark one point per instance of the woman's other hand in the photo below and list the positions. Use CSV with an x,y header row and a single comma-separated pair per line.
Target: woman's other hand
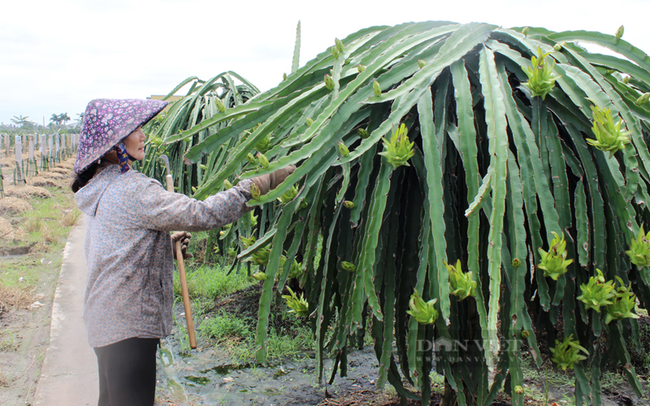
x,y
184,238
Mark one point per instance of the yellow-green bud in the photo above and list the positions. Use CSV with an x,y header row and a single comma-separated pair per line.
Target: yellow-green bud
x,y
247,241
619,32
557,47
309,122
157,141
348,266
289,195
250,158
423,312
626,79
639,251
255,191
610,137
264,144
348,204
421,63
261,256
541,74
220,105
377,88
568,352
554,262
298,305
519,390
525,334
525,31
260,276
226,184
343,149
335,52
329,82
284,76
262,160
363,133
643,99
398,150
516,263
339,44
361,68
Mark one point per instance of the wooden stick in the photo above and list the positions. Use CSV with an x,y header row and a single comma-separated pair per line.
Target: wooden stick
x,y
181,273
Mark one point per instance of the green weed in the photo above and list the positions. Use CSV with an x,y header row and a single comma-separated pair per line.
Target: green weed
x,y
25,272
612,381
33,225
183,340
8,341
280,344
223,327
49,223
210,281
437,382
236,336
542,380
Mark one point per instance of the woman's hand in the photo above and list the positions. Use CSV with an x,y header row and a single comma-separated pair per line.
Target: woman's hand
x,y
270,181
184,238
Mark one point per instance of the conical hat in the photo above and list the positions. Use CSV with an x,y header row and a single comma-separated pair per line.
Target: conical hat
x,y
109,121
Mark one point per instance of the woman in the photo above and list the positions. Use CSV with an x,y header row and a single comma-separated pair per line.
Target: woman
x,y
129,294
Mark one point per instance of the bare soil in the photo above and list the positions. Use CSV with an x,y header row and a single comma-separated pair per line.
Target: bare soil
x,y
25,330
26,296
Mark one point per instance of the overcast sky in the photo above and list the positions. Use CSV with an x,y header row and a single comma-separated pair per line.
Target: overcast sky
x,y
56,56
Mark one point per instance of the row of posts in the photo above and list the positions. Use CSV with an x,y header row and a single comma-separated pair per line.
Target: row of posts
x,y
53,148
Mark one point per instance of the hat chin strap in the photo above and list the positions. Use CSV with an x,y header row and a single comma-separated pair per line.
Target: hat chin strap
x,y
123,156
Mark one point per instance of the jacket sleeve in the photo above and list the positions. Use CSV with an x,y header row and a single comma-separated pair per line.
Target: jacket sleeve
x,y
157,209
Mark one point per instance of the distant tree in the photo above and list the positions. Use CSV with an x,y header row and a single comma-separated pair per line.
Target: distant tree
x,y
21,121
55,119
64,118
79,120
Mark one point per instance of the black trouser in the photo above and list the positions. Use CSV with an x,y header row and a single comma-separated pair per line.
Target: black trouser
x,y
127,372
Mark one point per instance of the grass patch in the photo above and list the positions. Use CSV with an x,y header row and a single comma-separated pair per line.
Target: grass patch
x,y
210,281
223,327
232,328
13,296
291,340
612,381
8,341
49,223
234,333
540,383
45,228
25,272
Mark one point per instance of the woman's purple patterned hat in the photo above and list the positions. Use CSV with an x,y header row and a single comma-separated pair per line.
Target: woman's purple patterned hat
x,y
109,121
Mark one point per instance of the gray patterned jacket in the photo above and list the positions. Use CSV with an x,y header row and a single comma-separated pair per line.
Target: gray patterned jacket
x,y
129,289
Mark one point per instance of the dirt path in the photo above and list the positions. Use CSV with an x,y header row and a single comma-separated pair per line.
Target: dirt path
x,y
69,372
